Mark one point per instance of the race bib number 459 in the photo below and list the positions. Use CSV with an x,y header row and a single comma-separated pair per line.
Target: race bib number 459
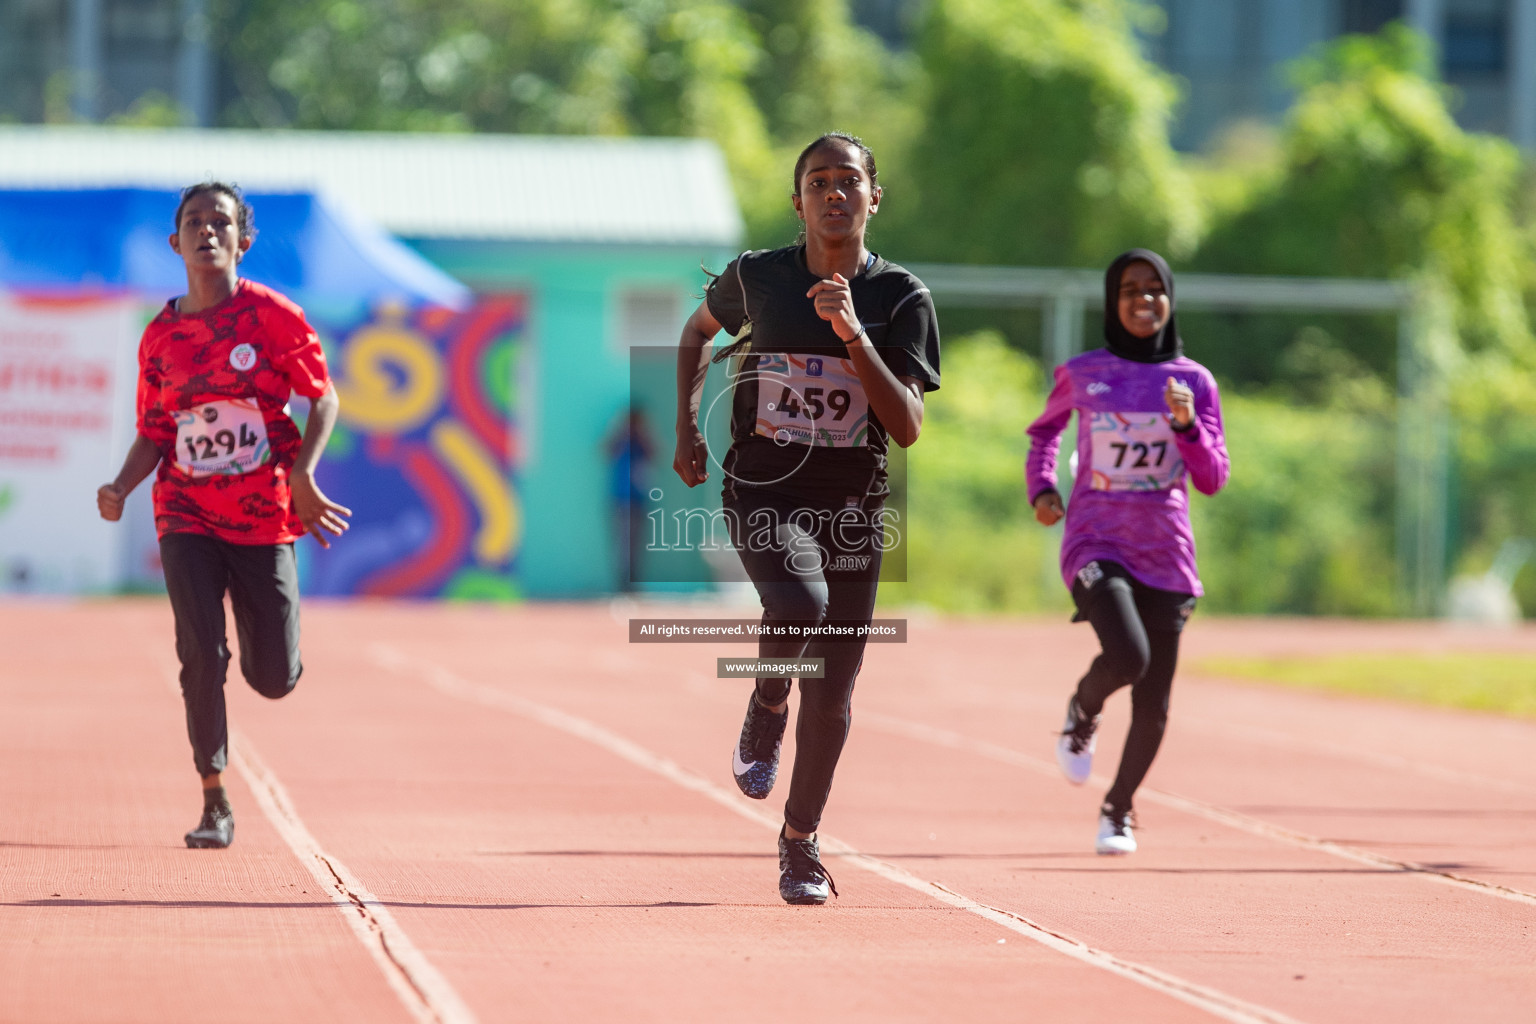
x,y
225,437
1134,451
814,400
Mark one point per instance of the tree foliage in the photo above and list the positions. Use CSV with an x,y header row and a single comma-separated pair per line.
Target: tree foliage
x,y
1304,525
1045,138
1298,529
537,66
819,72
760,78
972,546
1033,132
1373,178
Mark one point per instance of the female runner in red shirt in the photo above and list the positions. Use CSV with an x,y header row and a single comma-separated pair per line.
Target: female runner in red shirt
x,y
235,485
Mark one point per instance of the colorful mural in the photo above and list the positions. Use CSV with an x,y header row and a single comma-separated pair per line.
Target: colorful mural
x,y
425,453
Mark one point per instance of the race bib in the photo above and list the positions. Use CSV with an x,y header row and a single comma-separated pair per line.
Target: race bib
x,y
226,437
1134,451
814,400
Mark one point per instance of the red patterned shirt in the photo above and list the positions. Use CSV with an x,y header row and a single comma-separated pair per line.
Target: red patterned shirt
x,y
213,397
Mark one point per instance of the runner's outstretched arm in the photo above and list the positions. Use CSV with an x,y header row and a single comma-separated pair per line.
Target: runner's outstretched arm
x,y
314,509
1044,444
692,458
141,460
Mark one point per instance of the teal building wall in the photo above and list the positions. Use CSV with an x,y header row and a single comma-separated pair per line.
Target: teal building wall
x,y
574,385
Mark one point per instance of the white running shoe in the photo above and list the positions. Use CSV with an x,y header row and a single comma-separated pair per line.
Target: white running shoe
x,y
1115,837
1074,747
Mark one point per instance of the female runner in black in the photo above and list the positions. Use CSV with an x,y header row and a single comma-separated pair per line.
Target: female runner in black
x,y
835,350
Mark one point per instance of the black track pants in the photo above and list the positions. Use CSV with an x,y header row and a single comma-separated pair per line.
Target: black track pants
x,y
1138,629
263,585
809,573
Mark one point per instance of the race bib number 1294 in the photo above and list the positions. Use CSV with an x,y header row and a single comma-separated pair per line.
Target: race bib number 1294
x,y
226,437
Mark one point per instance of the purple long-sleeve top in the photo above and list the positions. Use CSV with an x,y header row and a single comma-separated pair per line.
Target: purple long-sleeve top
x,y
1130,501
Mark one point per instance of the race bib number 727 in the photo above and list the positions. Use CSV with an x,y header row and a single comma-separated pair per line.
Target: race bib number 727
x,y
1134,451
226,437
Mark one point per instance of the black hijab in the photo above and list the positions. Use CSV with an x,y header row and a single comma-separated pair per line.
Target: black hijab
x,y
1160,347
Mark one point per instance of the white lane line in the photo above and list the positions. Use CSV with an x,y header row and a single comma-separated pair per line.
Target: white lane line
x,y
1233,819
426,994
1212,1001
1391,762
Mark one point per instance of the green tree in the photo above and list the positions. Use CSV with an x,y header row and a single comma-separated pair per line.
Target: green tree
x,y
820,72
1373,178
602,67
1304,524
760,78
1044,139
554,66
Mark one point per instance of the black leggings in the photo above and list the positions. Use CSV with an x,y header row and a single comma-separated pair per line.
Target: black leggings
x,y
1140,650
263,585
808,572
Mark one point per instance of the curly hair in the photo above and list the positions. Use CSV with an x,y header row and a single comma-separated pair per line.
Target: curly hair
x,y
245,217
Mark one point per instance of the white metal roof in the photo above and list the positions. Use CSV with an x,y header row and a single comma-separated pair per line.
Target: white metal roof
x,y
497,187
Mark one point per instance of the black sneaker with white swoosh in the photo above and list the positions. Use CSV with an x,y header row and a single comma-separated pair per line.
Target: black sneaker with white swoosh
x,y
803,879
755,761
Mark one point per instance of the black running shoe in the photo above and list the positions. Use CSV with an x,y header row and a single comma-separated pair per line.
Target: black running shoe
x,y
803,880
215,831
755,761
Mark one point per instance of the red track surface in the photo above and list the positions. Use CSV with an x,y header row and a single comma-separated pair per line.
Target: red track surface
x,y
465,771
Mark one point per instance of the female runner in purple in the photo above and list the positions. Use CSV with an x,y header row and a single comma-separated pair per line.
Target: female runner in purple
x,y
1149,419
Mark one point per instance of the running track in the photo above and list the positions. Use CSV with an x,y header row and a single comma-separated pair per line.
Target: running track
x,y
478,813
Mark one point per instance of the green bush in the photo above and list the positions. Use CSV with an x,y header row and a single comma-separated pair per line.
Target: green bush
x,y
973,544
1303,527
1493,492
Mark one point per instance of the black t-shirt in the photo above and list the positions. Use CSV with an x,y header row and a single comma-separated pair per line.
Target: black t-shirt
x,y
800,421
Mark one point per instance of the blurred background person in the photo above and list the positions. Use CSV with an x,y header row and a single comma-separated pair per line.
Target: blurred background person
x,y
629,452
